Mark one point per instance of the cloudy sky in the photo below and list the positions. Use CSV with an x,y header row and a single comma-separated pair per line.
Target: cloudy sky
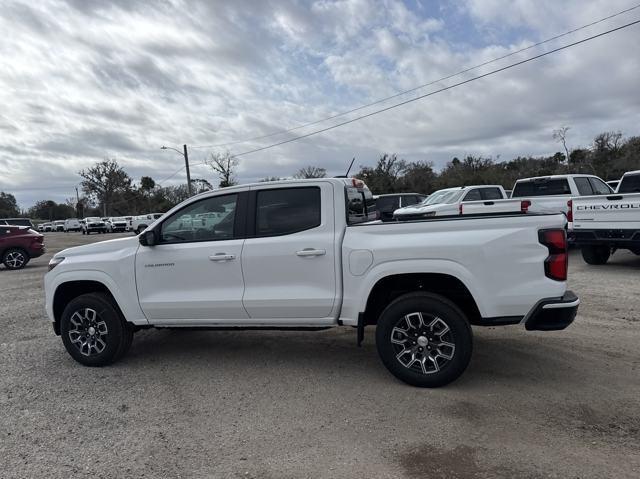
x,y
83,80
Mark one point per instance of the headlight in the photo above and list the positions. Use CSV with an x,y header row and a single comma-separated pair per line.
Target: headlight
x,y
55,261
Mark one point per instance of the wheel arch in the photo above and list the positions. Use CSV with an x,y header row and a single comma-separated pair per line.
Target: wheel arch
x,y
69,290
392,286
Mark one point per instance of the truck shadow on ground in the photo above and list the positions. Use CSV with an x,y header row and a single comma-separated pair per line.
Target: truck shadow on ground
x,y
515,358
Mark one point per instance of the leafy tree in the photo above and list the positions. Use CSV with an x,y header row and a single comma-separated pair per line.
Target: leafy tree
x,y
311,172
385,177
103,181
224,164
147,183
51,211
8,205
200,185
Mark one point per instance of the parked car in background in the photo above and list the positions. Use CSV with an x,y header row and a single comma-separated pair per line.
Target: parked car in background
x,y
72,224
605,223
128,219
296,254
613,184
550,194
17,222
40,227
140,223
18,245
116,224
387,204
58,225
47,226
447,202
93,225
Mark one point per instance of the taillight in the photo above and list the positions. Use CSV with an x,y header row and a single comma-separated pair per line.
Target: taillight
x,y
557,263
524,206
570,211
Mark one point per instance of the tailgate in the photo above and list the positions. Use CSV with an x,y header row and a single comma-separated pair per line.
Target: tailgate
x,y
491,206
607,211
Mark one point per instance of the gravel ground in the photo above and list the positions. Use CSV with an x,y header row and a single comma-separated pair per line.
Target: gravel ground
x,y
275,404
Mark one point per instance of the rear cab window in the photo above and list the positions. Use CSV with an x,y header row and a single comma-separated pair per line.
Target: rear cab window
x,y
473,195
492,194
541,187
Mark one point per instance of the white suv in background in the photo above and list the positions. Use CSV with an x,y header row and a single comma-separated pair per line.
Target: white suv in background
x,y
72,224
140,223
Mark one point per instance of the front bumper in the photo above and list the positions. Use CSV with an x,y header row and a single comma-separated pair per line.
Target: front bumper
x,y
553,314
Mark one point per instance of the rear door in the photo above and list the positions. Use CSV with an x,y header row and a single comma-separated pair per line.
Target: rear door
x,y
289,259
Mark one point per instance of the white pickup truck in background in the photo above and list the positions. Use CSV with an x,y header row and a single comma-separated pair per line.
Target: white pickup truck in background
x,y
141,222
303,254
603,224
551,194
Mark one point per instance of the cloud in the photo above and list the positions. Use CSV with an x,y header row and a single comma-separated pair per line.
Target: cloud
x,y
85,80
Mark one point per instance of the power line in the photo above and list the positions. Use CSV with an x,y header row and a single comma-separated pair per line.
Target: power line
x,y
492,72
382,100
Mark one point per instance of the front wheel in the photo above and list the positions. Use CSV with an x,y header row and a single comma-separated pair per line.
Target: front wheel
x,y
596,254
15,258
424,340
93,331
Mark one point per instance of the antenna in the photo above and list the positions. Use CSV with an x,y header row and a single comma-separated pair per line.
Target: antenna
x,y
349,169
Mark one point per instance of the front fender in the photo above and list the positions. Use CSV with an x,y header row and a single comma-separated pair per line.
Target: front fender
x,y
127,300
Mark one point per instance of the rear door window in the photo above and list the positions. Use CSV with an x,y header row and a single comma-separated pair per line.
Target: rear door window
x,y
630,184
388,203
473,195
285,211
408,200
584,186
541,187
599,187
491,194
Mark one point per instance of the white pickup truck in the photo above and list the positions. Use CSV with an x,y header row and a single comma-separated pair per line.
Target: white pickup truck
x,y
551,194
141,222
603,224
301,254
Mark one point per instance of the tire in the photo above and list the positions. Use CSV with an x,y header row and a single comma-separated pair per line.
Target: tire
x,y
15,258
93,331
438,324
596,254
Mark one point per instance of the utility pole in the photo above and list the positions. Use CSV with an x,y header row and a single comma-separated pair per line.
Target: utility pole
x,y
184,153
186,164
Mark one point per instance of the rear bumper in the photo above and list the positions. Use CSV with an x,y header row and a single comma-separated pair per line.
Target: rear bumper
x,y
553,314
616,238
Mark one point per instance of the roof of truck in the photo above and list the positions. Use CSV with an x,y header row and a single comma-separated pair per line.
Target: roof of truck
x,y
554,177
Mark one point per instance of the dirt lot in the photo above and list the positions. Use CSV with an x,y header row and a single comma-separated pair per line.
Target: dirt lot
x,y
272,404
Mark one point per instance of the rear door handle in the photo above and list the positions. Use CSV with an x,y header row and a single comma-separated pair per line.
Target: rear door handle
x,y
222,257
311,252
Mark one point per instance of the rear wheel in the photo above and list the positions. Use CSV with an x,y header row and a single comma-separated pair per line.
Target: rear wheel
x,y
15,258
424,340
93,331
596,254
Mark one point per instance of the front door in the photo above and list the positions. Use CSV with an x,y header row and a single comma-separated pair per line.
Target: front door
x,y
193,275
289,259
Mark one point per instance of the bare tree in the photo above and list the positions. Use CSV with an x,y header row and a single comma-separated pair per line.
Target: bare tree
x,y
560,135
103,180
311,172
224,164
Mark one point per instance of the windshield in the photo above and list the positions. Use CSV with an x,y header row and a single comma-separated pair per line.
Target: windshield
x,y
92,218
442,197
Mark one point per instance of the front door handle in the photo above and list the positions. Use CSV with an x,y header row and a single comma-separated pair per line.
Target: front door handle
x,y
311,252
222,257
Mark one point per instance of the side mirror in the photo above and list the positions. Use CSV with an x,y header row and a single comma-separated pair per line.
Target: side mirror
x,y
148,238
